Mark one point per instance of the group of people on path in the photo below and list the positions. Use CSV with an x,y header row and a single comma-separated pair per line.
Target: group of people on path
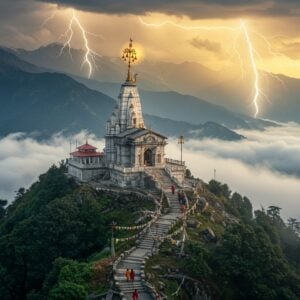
x,y
182,199
130,274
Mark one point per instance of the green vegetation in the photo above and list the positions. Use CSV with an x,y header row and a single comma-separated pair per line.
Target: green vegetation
x,y
3,203
52,237
54,242
251,257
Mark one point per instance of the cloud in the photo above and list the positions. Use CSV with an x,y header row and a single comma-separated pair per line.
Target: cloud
x,y
23,159
256,168
192,8
265,167
262,186
276,148
291,49
206,44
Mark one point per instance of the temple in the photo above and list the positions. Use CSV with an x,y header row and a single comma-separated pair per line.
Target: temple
x,y
131,150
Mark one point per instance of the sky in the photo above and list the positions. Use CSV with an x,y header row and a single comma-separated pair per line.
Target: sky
x,y
215,40
223,35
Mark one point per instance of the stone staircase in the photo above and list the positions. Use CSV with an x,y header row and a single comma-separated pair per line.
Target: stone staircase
x,y
148,244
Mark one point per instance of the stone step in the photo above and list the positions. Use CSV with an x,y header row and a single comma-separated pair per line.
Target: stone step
x,y
147,244
132,261
134,258
159,229
146,247
123,270
130,283
122,280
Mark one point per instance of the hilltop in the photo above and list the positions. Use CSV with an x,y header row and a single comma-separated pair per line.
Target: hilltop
x,y
55,236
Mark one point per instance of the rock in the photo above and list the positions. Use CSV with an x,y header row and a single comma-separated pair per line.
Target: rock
x,y
202,203
192,223
218,205
161,285
209,234
156,267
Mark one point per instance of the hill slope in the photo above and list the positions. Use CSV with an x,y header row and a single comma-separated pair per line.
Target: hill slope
x,y
176,106
185,78
48,102
53,102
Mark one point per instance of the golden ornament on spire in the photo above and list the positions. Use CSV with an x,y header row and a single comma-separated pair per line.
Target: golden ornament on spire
x,y
129,55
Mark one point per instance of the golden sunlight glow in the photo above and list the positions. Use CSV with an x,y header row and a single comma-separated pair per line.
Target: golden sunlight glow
x,y
235,50
251,51
139,50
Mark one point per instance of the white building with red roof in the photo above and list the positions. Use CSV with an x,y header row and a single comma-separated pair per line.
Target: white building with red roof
x,y
86,162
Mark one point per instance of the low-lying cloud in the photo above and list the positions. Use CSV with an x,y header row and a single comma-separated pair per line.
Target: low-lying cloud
x,y
263,167
23,159
262,186
276,148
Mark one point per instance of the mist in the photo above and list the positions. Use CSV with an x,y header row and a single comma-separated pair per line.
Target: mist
x,y
23,159
265,167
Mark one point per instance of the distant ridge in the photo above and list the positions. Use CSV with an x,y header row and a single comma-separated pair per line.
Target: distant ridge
x,y
44,102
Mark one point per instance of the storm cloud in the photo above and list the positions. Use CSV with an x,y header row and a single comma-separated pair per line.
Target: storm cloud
x,y
206,44
192,8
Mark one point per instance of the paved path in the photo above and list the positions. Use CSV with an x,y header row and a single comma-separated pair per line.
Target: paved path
x,y
135,260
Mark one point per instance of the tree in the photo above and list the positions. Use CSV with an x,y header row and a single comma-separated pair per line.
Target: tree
x,y
219,189
246,260
68,291
292,223
188,173
3,203
240,207
274,212
20,193
197,259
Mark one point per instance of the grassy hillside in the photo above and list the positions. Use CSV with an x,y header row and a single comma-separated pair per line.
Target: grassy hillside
x,y
53,238
229,253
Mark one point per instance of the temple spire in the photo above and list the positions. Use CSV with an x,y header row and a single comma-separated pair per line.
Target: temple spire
x,y
129,56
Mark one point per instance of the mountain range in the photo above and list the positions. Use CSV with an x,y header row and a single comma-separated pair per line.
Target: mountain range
x,y
279,97
33,100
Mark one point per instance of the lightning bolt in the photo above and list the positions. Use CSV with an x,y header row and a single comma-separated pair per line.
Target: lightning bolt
x,y
90,55
242,28
254,68
52,16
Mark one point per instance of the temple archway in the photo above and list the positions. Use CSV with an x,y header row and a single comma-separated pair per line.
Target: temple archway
x,y
149,158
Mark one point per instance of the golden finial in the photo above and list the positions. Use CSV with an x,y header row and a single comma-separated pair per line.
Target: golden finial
x,y
129,55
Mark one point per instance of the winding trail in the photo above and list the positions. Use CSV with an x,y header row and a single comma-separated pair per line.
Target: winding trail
x,y
147,246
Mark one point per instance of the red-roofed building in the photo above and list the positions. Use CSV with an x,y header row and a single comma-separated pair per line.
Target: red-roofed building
x,y
86,162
